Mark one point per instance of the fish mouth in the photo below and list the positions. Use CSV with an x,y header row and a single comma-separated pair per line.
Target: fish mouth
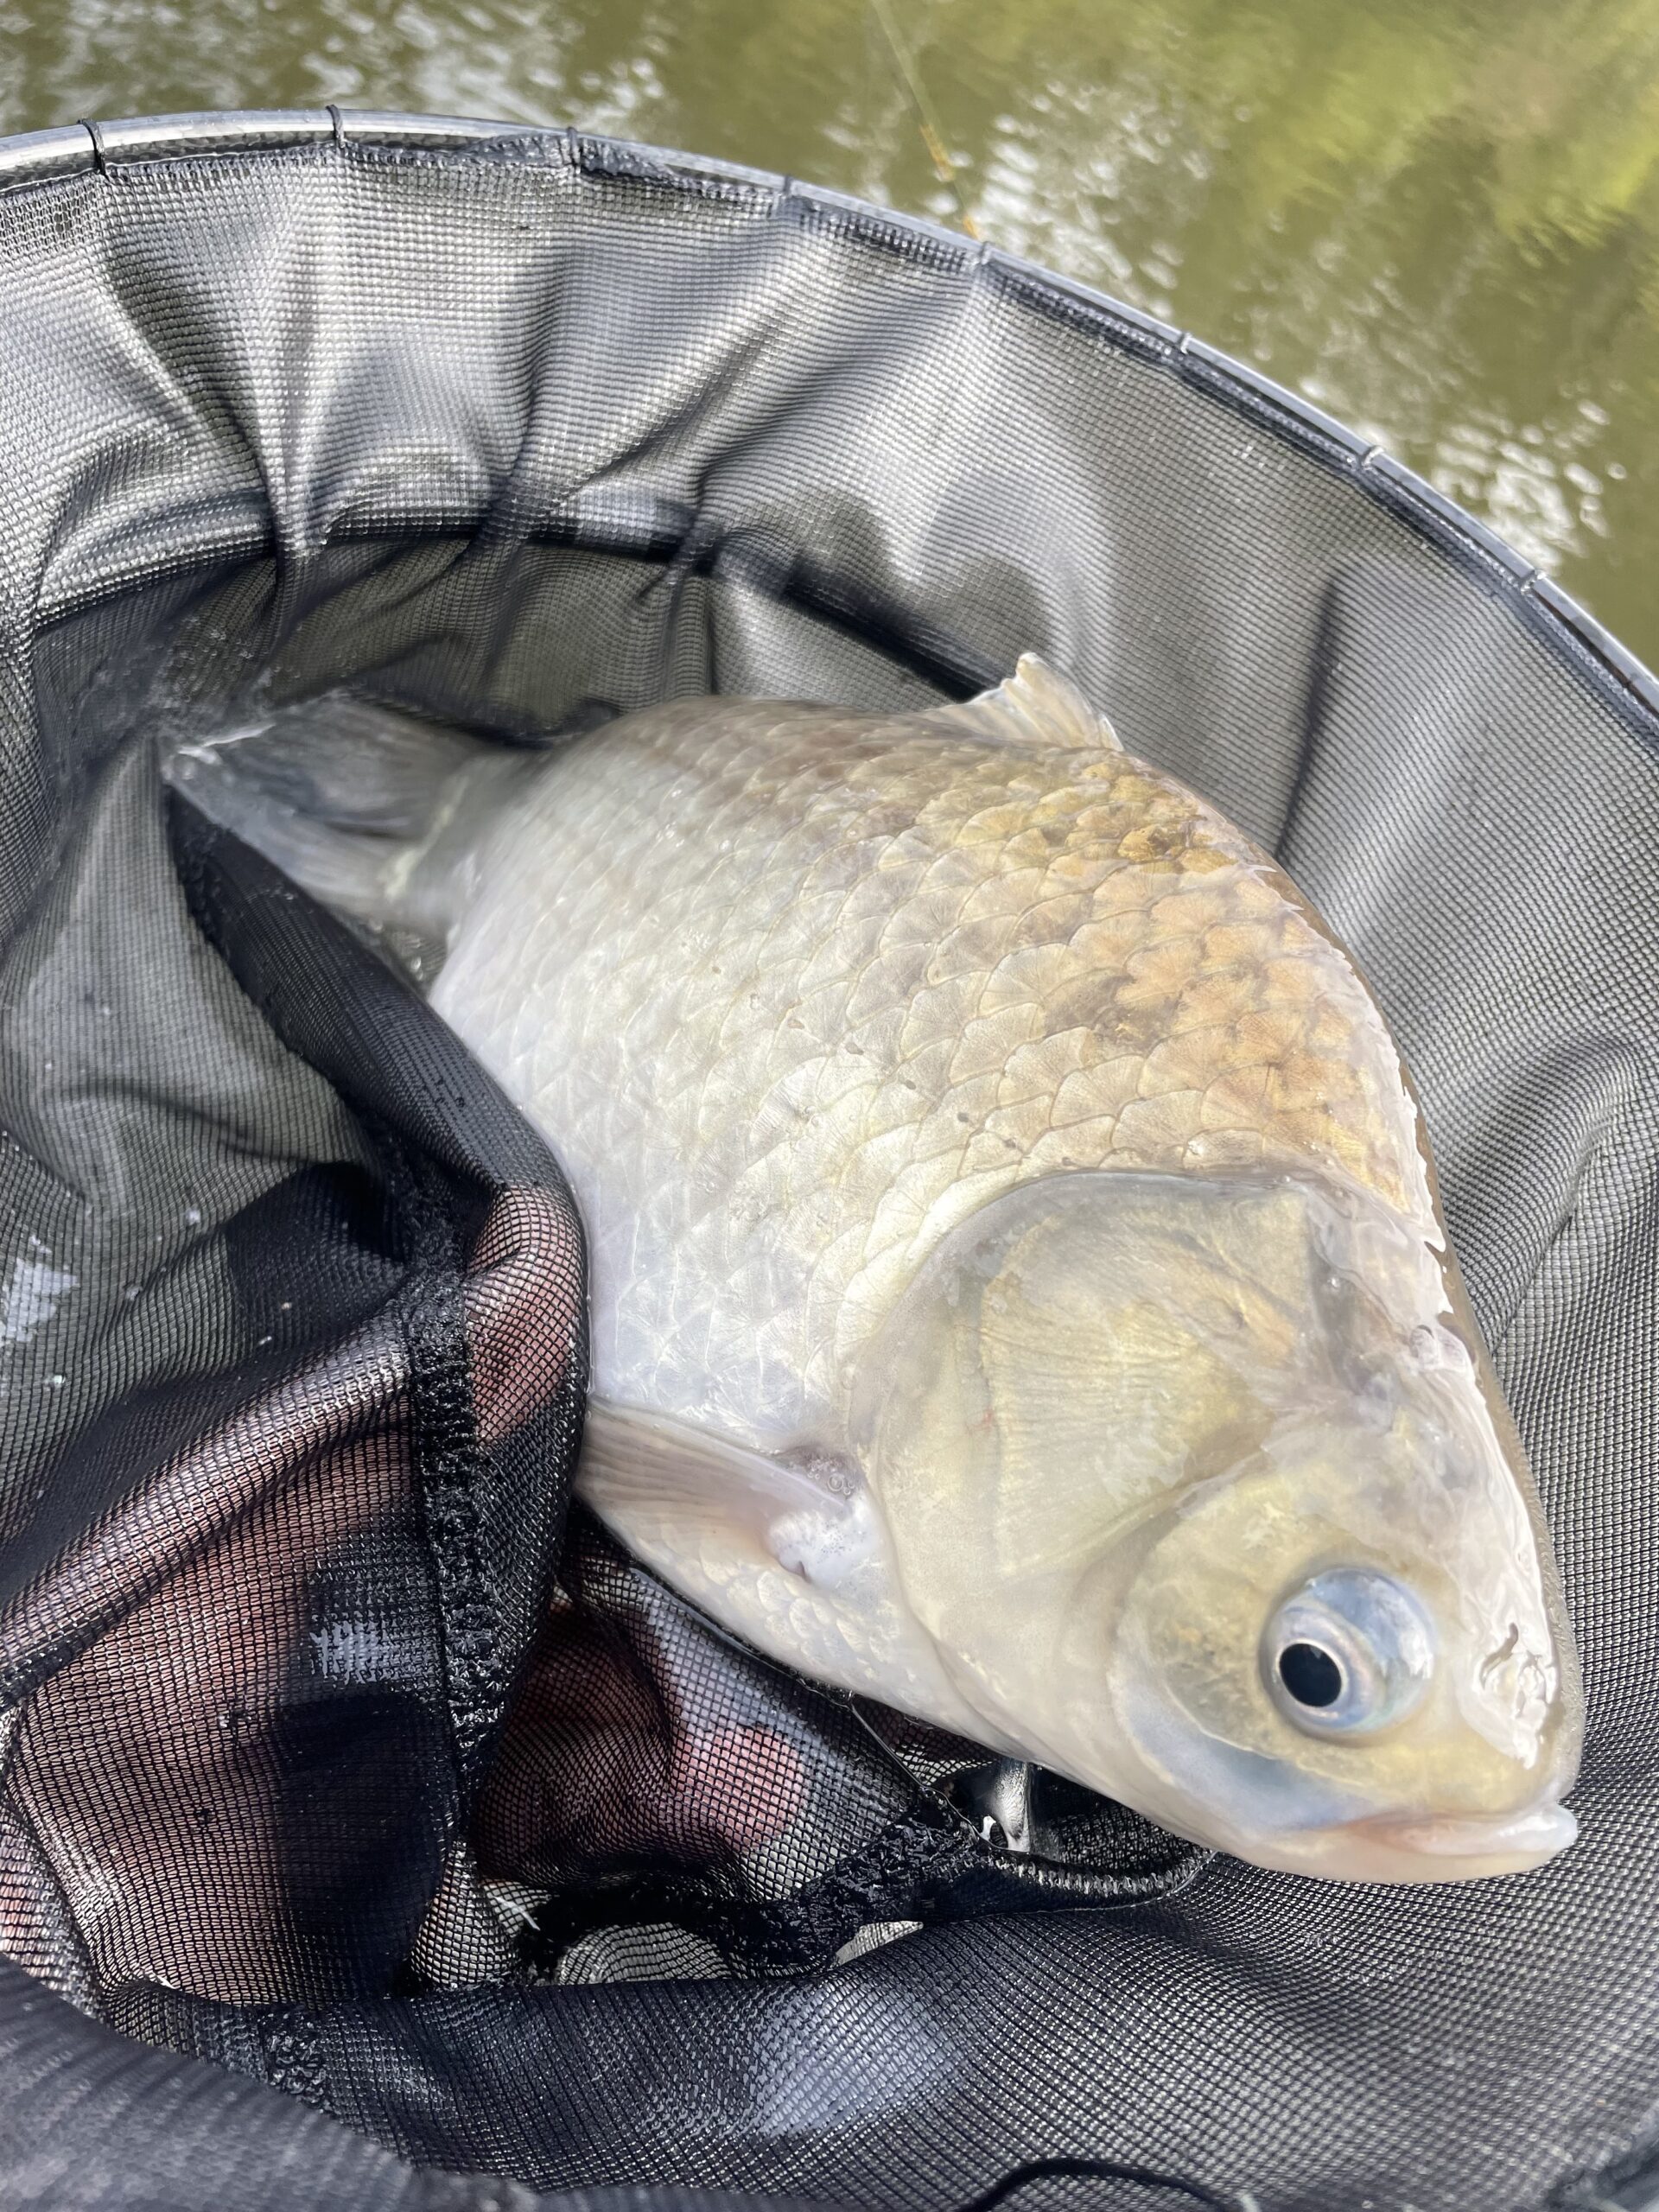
x,y
1449,1848
1398,1847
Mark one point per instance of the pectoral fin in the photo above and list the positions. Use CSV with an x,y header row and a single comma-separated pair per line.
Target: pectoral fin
x,y
642,1469
790,1553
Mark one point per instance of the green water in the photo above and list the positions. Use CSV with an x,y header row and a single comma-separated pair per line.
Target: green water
x,y
1438,218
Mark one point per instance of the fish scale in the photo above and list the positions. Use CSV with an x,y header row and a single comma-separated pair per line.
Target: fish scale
x,y
803,991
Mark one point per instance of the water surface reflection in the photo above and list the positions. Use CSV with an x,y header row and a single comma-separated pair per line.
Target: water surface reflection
x,y
1438,218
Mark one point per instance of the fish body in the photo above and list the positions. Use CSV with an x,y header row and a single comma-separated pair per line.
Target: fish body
x,y
1017,1289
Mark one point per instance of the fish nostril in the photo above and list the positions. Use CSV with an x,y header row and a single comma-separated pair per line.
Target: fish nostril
x,y
1312,1676
1495,1662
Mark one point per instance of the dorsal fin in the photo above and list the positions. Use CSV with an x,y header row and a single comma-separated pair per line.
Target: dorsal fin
x,y
1035,710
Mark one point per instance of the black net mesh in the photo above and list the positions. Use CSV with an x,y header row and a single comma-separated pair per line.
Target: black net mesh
x,y
334,1764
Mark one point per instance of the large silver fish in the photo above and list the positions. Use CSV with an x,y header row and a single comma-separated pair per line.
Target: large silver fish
x,y
1018,1287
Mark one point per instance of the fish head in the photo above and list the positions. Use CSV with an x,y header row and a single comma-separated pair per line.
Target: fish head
x,y
1348,1659
1206,1494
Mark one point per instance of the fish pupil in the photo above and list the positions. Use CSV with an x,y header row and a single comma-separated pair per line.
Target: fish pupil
x,y
1312,1676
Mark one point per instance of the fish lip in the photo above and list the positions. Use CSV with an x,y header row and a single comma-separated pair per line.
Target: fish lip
x,y
1501,1843
1417,1848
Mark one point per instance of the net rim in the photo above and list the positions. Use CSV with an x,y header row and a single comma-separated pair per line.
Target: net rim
x,y
31,160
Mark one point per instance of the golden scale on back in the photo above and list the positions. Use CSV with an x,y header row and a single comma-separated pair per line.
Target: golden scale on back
x,y
881,975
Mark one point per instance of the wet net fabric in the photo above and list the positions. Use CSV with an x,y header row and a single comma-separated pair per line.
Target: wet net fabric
x,y
374,1831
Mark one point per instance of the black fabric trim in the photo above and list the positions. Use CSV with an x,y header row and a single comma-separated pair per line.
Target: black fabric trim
x,y
453,1471
294,2061
1036,2169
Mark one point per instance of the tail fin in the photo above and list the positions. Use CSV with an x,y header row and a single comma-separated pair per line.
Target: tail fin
x,y
348,798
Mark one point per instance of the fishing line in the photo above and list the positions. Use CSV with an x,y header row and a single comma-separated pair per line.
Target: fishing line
x,y
927,123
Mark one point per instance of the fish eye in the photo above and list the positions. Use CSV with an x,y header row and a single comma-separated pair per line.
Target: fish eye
x,y
1310,1675
1349,1652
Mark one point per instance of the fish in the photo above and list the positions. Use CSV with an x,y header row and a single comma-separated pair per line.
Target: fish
x,y
1019,1289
